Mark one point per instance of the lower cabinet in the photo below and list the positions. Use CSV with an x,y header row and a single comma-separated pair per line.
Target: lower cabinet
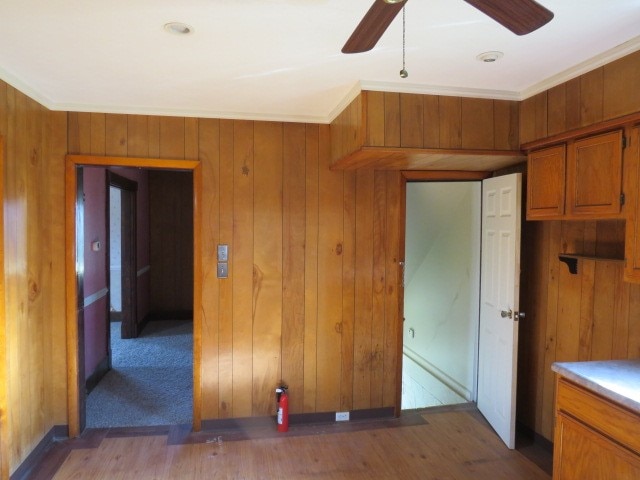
x,y
595,439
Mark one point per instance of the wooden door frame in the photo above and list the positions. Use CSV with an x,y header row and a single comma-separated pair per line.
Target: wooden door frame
x,y
73,302
418,176
128,256
4,431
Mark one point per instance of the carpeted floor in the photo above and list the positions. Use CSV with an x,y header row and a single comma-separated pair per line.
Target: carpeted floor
x,y
151,382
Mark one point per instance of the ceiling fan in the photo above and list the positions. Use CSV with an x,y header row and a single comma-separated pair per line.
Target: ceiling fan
x,y
519,16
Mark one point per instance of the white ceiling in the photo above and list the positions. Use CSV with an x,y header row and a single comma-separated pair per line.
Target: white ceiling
x,y
281,60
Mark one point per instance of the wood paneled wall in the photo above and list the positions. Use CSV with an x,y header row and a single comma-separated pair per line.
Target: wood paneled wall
x,y
593,315
383,119
434,121
33,330
171,243
601,94
302,304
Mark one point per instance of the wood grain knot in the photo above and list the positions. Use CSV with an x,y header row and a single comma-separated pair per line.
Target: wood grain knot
x,y
34,157
34,289
245,171
338,328
339,249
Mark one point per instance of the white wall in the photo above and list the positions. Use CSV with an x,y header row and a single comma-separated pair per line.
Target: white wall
x,y
115,246
442,280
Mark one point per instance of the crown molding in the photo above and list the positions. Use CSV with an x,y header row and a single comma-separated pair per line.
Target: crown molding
x,y
604,58
598,61
401,87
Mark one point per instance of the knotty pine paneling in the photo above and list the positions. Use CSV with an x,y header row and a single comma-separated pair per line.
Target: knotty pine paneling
x,y
33,328
589,316
312,297
431,121
592,315
602,94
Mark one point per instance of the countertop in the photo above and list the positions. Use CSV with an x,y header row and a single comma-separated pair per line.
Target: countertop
x,y
617,380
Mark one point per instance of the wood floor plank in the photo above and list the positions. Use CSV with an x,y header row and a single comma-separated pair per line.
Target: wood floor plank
x,y
454,444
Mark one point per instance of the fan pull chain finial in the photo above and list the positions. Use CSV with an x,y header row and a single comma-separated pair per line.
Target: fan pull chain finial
x,y
403,72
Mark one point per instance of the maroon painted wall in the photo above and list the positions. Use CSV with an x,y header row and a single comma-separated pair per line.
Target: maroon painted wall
x,y
95,268
95,263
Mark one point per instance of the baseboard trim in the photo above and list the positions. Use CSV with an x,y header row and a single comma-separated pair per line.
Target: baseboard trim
x,y
30,464
296,419
99,372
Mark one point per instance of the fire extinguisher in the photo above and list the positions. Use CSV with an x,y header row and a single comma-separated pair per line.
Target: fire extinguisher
x,y
283,408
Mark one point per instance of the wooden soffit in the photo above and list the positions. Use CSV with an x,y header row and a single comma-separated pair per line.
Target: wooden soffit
x,y
386,158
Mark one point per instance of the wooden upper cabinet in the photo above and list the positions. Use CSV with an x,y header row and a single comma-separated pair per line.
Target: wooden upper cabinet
x,y
581,179
632,214
594,176
545,183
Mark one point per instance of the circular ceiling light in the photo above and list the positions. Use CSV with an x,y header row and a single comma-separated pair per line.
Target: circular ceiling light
x,y
489,57
178,28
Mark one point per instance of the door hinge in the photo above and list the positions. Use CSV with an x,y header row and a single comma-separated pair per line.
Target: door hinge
x,y
625,142
621,199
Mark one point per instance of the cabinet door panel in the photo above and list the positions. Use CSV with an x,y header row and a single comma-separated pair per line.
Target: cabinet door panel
x,y
632,207
545,183
581,453
594,175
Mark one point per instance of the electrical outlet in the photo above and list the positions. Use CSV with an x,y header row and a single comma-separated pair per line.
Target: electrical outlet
x,y
342,416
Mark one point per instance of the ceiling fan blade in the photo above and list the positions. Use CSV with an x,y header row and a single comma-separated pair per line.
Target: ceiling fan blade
x,y
519,16
372,26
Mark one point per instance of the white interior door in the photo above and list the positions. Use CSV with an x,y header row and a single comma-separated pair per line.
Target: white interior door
x,y
499,306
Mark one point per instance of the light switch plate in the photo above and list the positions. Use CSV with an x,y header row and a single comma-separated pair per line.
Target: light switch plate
x,y
223,253
223,270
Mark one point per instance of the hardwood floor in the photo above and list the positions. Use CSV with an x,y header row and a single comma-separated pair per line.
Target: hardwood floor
x,y
451,443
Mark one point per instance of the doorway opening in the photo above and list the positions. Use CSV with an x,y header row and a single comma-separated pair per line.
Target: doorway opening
x,y
147,347
441,293
78,268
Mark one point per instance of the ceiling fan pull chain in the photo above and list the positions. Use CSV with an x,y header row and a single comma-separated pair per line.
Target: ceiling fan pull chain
x,y
403,72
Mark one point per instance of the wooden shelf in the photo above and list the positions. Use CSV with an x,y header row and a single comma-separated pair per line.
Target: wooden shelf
x,y
571,259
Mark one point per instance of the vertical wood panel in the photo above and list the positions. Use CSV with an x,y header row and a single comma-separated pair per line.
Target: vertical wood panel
x,y
378,288
591,97
209,154
375,119
477,123
362,329
268,266
226,236
450,122
191,133
98,133
172,137
116,135
573,103
411,120
541,115
329,344
431,121
557,112
527,120
349,247
294,237
393,322
392,119
311,267
137,136
4,403
621,95
506,116
548,393
242,274
567,346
